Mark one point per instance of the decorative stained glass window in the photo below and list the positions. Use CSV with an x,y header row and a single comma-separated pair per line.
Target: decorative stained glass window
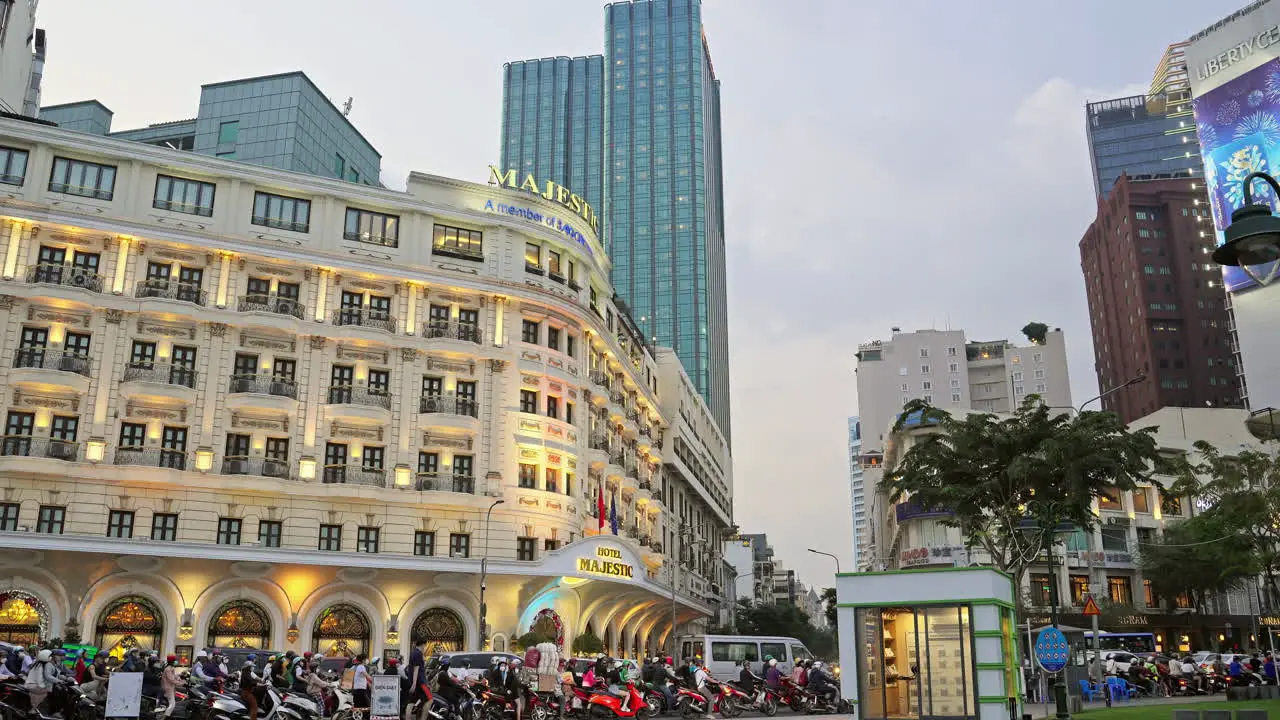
x,y
341,629
240,624
441,629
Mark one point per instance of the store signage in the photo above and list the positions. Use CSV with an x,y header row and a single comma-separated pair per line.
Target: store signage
x,y
607,562
1269,620
1238,52
554,192
937,555
533,215
1133,620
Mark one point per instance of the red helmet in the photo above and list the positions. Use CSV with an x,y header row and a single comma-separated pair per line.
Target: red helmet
x,y
307,654
172,658
667,659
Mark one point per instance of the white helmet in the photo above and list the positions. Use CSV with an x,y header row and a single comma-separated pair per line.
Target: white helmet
x,y
44,656
773,662
201,655
817,665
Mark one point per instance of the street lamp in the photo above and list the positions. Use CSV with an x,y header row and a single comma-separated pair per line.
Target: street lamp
x,y
484,566
1140,377
833,557
1253,237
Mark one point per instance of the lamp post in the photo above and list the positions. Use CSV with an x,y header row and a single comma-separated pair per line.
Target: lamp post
x,y
484,567
1140,377
1253,235
1057,528
833,557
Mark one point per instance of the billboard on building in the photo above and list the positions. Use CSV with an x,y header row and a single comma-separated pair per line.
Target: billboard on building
x,y
1234,68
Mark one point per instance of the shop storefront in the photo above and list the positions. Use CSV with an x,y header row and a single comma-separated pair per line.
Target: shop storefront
x,y
919,644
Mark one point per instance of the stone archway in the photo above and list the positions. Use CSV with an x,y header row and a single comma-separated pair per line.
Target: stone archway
x,y
129,622
441,629
342,630
240,624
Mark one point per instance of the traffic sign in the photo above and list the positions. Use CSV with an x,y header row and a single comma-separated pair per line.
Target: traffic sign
x,y
1051,649
1091,607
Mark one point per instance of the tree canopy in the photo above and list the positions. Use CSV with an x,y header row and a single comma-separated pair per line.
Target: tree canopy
x,y
1035,332
1008,481
786,620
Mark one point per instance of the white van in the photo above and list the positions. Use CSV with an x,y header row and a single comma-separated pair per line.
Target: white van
x,y
722,653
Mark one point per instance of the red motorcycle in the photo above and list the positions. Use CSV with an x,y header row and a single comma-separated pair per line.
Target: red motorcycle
x,y
794,696
604,705
692,703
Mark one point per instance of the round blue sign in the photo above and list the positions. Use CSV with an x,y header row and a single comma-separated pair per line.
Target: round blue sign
x,y
1051,649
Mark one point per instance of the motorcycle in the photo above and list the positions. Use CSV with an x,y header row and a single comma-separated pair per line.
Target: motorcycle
x,y
692,703
65,698
765,699
794,696
607,705
656,700
829,703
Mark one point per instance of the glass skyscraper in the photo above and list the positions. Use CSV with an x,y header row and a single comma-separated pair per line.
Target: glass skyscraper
x,y
662,174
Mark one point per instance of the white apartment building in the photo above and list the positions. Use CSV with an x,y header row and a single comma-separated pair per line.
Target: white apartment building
x,y
856,493
253,407
1102,562
22,49
955,374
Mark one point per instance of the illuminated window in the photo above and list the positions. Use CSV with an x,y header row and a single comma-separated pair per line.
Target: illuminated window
x,y
1040,590
1119,590
1079,589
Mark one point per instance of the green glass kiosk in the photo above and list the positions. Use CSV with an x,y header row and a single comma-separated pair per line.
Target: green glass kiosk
x,y
929,644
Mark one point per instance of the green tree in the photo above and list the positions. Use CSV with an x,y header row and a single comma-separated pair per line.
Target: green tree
x,y
588,643
829,606
1242,494
1007,482
786,620
1208,553
1035,332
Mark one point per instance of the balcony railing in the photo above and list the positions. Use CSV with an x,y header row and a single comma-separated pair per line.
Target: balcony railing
x,y
448,404
599,441
631,466
151,457
68,275
601,378
365,317
31,357
616,458
355,475
452,330
646,431
359,395
188,208
633,416
272,304
28,446
160,372
264,385
618,398
262,466
448,482
171,289
372,238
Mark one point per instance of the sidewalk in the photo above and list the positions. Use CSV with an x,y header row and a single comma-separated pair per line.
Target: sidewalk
x,y
1040,710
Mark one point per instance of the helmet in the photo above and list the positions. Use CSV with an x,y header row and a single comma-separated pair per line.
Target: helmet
x,y
251,657
667,660
516,662
44,656
817,665
496,659
771,661
308,654
201,655
290,655
444,662
171,658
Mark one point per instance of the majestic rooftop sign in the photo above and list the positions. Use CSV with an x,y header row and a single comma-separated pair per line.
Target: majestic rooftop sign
x,y
548,190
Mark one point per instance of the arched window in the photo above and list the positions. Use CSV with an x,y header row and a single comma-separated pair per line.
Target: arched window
x,y
441,629
341,629
24,618
240,624
127,623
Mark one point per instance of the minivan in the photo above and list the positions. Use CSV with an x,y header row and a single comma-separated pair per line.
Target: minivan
x,y
722,653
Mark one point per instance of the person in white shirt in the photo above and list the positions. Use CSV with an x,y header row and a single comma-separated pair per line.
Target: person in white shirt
x,y
700,677
360,683
1189,672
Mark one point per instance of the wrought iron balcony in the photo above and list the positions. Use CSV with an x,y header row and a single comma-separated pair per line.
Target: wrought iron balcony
x,y
355,475
160,372
449,404
28,446
172,290
365,317
151,457
646,431
447,482
452,330
618,398
634,416
68,275
600,441
262,466
32,357
601,378
272,304
264,384
616,458
359,395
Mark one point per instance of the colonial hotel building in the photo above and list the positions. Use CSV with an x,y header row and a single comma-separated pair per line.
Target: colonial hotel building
x,y
252,407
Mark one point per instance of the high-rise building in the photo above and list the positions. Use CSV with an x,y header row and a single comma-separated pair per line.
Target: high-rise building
x,y
1150,136
553,122
1232,66
943,368
856,495
280,121
22,52
663,216
1157,307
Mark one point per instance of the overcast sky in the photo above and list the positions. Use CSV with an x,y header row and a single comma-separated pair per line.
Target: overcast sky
x,y
887,162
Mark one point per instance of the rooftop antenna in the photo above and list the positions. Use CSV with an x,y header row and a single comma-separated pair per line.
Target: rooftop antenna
x,y
346,106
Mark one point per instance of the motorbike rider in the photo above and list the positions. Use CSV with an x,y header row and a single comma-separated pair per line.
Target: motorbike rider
x,y
746,679
1269,669
5,672
505,682
799,674
41,678
298,673
151,677
772,675
279,672
169,682
248,686
821,684
447,686
698,678
1236,672
667,682
1195,679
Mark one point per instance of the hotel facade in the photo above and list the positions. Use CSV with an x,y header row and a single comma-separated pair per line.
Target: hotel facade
x,y
258,408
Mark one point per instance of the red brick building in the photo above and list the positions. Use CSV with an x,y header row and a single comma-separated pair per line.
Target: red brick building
x,y
1156,302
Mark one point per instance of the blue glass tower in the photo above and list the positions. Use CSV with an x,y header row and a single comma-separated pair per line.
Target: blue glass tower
x,y
553,122
1148,137
662,175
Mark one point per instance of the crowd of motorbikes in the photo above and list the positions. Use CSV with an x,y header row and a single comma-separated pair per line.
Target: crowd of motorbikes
x,y
1158,676
688,691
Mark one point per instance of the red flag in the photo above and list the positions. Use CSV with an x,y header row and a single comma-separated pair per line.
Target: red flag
x,y
600,506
